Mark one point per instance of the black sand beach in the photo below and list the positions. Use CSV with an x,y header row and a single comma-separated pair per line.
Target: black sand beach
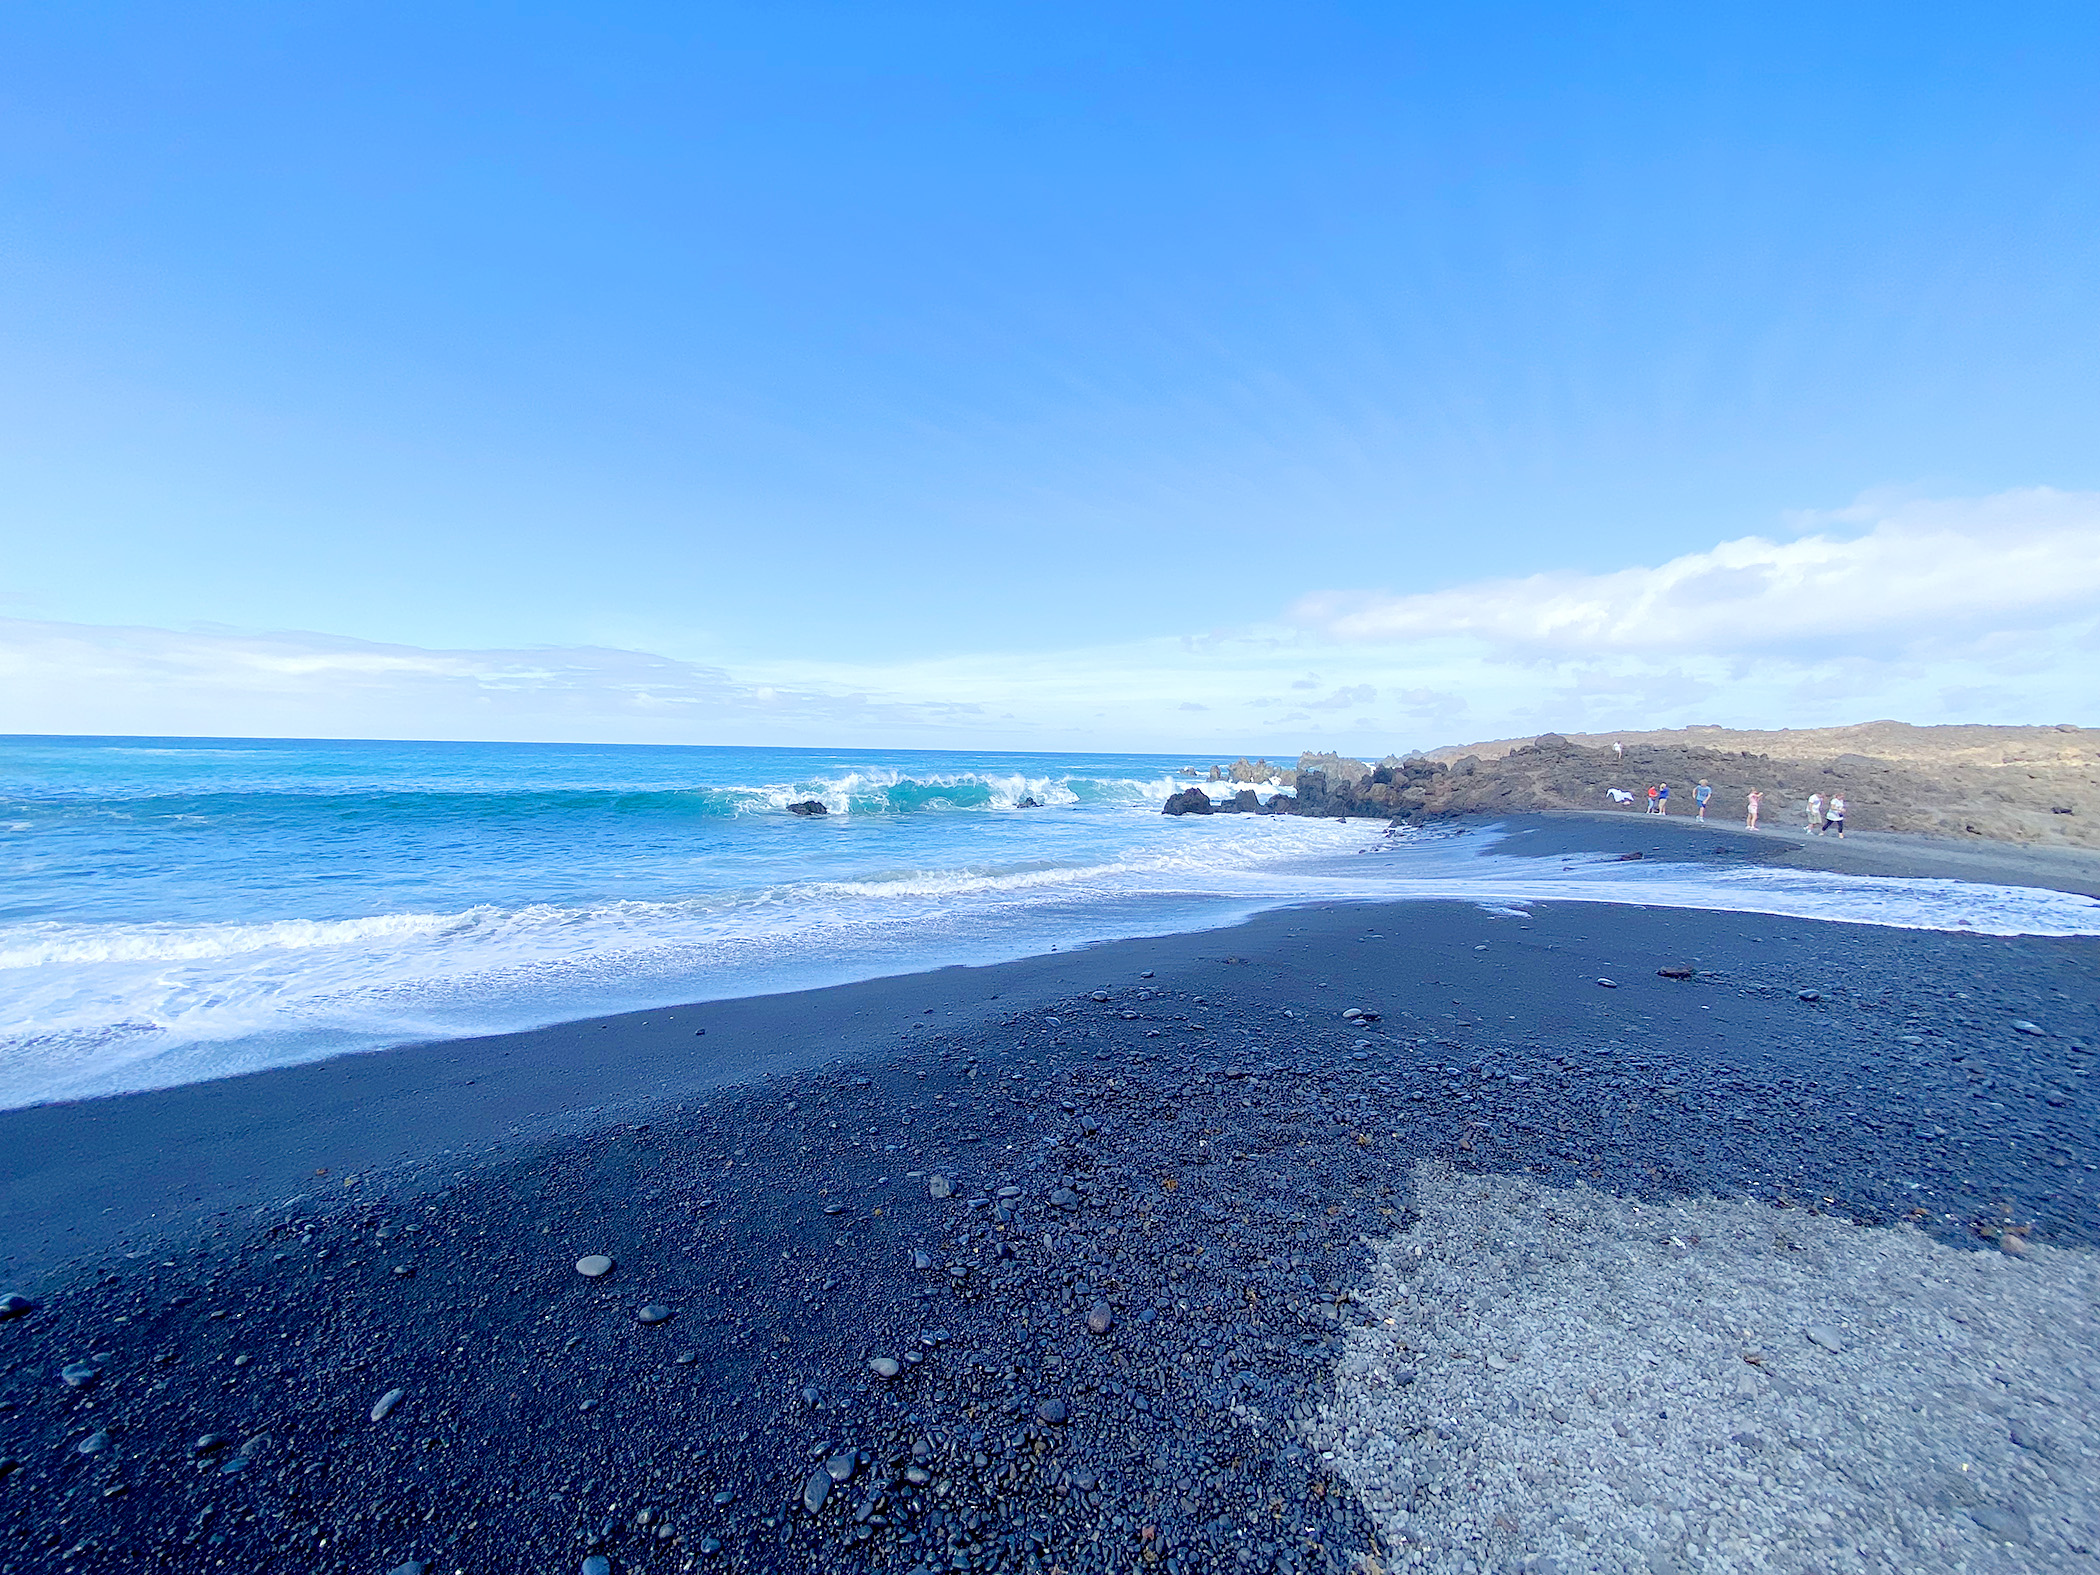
x,y
1183,1137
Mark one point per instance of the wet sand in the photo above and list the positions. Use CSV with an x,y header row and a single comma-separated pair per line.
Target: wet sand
x,y
1198,1143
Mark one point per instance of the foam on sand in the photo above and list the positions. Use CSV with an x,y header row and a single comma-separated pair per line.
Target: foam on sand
x,y
1566,1380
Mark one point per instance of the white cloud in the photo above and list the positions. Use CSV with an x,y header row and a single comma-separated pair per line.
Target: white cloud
x,y
85,678
1970,611
1921,572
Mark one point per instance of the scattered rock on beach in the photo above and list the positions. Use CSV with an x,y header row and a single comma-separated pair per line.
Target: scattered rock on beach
x,y
95,1442
939,1187
1101,1318
1825,1336
13,1306
78,1375
885,1366
383,1407
1675,971
596,1266
1609,984
653,1313
1051,1411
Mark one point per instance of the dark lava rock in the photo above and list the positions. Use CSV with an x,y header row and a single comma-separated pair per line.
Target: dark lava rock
x,y
809,807
816,1490
1051,1411
12,1306
653,1313
1189,801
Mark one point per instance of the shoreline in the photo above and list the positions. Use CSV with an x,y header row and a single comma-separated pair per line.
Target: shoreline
x,y
1182,1130
249,1140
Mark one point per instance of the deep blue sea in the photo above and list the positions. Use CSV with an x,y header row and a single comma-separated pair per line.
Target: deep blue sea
x,y
178,909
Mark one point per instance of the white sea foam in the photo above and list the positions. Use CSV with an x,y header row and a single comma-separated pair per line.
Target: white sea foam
x,y
95,1006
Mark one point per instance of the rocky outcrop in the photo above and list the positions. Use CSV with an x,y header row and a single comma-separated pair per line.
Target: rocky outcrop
x,y
1189,801
2041,787
808,807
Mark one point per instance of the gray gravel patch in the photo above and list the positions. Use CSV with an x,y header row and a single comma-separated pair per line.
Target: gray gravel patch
x,y
1566,1380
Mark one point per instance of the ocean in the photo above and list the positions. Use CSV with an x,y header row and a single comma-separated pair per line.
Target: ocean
x,y
173,910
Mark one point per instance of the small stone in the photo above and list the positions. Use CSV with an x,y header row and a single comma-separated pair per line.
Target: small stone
x,y
384,1406
597,1564
840,1467
1352,1014
939,1187
834,1208
94,1443
816,1490
2007,1525
724,1498
1009,1192
920,1260
9,1466
1051,1411
412,1567
710,1545
1064,1198
1674,971
1825,1336
685,1358
653,1313
885,1366
14,1306
2035,1029
2012,1244
595,1266
210,1443
79,1375
1101,1318
1609,984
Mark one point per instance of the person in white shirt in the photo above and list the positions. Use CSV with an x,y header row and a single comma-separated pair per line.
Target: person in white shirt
x,y
1815,813
1835,815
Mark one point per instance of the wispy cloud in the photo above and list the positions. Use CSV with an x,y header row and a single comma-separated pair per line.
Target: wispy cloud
x,y
1986,610
1923,572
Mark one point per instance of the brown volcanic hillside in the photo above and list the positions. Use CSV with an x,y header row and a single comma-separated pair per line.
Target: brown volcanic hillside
x,y
2038,785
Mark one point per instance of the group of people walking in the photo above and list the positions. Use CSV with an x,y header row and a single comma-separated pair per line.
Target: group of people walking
x,y
1823,814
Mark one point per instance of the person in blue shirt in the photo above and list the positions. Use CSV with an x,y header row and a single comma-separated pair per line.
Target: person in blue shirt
x,y
1700,795
1662,798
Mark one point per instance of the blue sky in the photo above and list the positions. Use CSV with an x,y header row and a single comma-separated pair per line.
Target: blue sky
x,y
1211,375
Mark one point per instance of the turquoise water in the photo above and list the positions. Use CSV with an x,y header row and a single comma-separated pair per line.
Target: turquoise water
x,y
178,909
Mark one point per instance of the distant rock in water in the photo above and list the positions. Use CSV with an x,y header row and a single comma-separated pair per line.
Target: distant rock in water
x,y
1189,801
808,806
1029,803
